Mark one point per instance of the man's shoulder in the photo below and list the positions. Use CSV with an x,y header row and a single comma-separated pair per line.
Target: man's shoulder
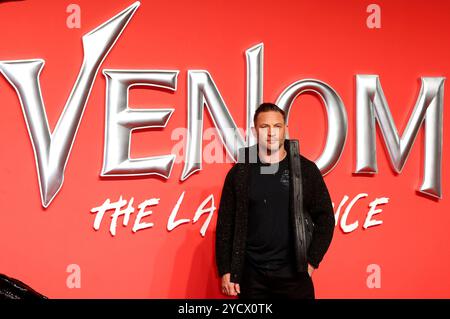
x,y
306,162
234,168
309,168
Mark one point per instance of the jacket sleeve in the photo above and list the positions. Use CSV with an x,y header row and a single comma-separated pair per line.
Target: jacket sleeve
x,y
225,226
322,214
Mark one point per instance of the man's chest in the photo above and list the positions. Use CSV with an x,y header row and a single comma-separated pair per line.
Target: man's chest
x,y
267,183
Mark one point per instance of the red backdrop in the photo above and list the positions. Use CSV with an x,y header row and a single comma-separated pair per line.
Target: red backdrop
x,y
326,40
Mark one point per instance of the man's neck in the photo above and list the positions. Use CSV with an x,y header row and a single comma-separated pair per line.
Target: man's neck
x,y
266,156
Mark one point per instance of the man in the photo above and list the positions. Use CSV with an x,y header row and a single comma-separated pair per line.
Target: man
x,y
275,219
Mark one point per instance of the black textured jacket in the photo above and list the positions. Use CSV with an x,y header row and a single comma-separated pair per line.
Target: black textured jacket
x,y
312,216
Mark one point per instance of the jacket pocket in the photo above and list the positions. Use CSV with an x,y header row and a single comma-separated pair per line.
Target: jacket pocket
x,y
309,228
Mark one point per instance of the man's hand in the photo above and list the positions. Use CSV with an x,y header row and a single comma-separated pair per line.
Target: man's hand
x,y
229,288
310,270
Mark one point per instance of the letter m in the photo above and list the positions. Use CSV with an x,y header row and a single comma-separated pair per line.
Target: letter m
x,y
371,105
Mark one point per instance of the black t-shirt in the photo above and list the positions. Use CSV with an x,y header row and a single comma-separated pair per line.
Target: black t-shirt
x,y
269,241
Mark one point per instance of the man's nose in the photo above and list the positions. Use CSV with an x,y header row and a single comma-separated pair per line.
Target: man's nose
x,y
271,131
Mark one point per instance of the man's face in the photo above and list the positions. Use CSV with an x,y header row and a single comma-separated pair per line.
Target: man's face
x,y
270,128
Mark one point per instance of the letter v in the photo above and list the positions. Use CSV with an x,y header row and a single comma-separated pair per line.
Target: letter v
x,y
52,150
